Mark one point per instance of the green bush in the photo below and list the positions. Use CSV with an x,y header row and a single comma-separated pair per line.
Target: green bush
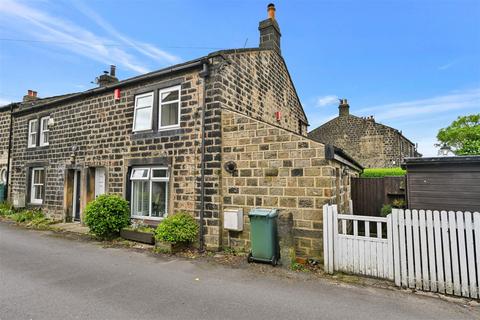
x,y
179,228
399,203
382,172
386,210
106,215
27,215
6,209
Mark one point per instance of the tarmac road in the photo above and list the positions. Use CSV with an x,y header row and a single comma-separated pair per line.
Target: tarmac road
x,y
50,277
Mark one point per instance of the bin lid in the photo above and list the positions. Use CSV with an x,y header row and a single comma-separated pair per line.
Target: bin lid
x,y
262,212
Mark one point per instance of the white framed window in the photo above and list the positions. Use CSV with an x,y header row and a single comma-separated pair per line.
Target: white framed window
x,y
44,132
169,108
37,185
149,197
142,116
32,133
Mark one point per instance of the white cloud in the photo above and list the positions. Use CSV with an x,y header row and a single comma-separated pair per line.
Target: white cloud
x,y
426,146
448,65
4,101
78,40
459,100
326,101
144,48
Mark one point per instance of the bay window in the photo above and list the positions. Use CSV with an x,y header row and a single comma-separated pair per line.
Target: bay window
x,y
37,185
149,197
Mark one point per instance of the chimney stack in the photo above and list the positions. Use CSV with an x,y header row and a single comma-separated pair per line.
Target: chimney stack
x,y
30,96
343,108
112,70
270,31
107,78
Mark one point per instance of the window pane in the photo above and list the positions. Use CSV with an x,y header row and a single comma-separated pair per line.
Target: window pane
x,y
140,198
140,173
143,119
45,123
38,192
38,177
33,126
159,198
45,137
159,173
144,101
33,139
170,96
169,114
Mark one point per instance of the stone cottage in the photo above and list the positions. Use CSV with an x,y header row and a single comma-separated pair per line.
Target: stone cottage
x,y
373,144
5,126
222,132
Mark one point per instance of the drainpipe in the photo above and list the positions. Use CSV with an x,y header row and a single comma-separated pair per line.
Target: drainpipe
x,y
10,133
203,75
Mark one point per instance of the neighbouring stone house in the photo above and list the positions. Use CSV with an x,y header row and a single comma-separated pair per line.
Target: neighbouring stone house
x,y
373,144
162,140
4,142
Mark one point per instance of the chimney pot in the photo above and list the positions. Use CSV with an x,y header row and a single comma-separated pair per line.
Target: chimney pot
x,y
30,96
271,11
343,108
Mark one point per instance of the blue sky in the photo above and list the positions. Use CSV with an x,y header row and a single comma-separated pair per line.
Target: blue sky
x,y
414,65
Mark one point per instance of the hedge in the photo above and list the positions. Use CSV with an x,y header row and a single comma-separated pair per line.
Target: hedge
x,y
382,172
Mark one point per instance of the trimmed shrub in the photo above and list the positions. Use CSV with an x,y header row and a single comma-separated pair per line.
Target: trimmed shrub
x,y
179,228
382,172
107,215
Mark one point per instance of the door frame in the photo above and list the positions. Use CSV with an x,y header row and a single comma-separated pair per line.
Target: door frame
x,y
77,195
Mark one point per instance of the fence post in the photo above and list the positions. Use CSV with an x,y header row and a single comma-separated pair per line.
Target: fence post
x,y
395,242
325,238
334,237
390,247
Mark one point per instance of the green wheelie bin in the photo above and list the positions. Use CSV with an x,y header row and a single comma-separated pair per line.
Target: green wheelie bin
x,y
2,192
263,236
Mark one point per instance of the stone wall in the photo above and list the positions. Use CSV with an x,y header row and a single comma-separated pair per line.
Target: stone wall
x,y
257,83
101,130
372,144
4,135
280,169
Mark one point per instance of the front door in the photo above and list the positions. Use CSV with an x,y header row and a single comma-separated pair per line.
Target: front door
x,y
76,195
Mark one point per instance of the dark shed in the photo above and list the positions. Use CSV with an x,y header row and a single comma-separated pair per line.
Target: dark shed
x,y
443,183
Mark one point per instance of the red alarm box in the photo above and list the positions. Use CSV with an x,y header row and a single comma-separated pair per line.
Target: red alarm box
x,y
278,115
116,94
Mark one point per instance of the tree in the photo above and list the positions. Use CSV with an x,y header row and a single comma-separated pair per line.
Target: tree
x,y
462,136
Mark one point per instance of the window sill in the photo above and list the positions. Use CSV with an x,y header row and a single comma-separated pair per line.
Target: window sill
x,y
147,218
32,204
38,147
167,132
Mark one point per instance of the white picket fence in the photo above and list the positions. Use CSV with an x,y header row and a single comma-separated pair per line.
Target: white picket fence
x,y
427,250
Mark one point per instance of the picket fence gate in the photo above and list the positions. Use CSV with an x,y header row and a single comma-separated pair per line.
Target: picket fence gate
x,y
426,250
